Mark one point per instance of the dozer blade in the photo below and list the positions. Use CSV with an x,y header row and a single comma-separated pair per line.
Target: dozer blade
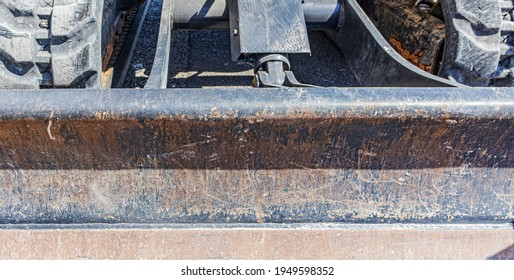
x,y
252,156
224,161
290,173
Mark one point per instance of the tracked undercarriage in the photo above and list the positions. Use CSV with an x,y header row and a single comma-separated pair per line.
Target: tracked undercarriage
x,y
415,163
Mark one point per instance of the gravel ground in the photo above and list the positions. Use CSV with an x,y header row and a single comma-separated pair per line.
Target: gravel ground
x,y
201,58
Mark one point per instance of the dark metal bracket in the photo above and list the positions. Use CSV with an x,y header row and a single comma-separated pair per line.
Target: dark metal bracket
x,y
373,60
273,70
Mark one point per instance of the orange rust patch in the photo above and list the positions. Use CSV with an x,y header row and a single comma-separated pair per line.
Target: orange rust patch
x,y
410,56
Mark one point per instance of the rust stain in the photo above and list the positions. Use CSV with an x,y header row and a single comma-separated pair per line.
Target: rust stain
x,y
412,56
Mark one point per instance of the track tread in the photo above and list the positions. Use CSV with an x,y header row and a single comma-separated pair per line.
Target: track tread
x,y
17,43
473,47
75,43
504,75
480,42
52,43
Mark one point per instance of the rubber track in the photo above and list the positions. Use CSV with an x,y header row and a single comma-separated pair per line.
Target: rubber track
x,y
22,50
50,43
472,49
480,42
504,75
75,43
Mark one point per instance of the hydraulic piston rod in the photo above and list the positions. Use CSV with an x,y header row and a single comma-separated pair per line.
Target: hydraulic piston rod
x,y
214,14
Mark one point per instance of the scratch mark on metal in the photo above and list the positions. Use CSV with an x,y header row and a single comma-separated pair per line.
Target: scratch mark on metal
x,y
49,127
185,148
214,198
505,198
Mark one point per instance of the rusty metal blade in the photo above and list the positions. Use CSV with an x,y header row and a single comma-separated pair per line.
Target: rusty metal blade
x,y
249,155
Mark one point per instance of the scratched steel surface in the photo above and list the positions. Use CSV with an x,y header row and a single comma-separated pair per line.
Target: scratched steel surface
x,y
252,156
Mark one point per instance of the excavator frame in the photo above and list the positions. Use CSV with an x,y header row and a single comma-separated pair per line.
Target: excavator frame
x,y
411,166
